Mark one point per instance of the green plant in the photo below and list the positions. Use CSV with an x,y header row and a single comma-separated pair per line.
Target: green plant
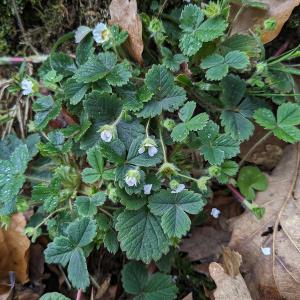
x,y
116,139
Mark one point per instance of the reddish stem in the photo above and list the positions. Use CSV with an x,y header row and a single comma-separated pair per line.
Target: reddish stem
x,y
236,193
79,293
282,48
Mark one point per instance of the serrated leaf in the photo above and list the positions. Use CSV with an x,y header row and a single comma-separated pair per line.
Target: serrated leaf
x,y
96,67
74,90
212,61
114,151
85,206
68,250
233,90
170,61
167,96
211,29
117,37
111,242
189,44
63,64
250,179
45,110
265,118
119,75
141,236
216,147
237,60
173,209
229,168
102,107
191,18
186,112
179,132
217,73
136,281
84,50
198,122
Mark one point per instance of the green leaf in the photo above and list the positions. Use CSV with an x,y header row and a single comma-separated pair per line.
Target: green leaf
x,y
198,122
173,209
45,110
87,206
136,281
170,61
140,235
216,147
63,64
250,179
12,178
95,159
191,18
120,75
117,37
114,151
179,132
233,90
211,29
96,67
229,168
285,126
167,96
74,90
186,112
237,60
111,242
212,61
217,73
84,49
54,296
68,250
102,107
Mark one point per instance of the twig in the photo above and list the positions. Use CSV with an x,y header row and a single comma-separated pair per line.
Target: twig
x,y
65,277
282,48
236,193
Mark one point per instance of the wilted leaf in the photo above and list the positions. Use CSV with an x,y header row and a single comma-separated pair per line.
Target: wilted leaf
x,y
14,247
124,14
274,276
252,17
229,285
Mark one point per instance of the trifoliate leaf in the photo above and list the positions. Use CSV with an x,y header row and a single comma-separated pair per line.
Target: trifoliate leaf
x,y
119,75
54,296
74,90
167,96
285,126
45,110
212,61
179,132
186,112
237,60
12,178
216,147
144,228
217,73
195,31
198,122
96,67
278,80
173,209
67,250
111,242
63,64
136,281
251,179
87,206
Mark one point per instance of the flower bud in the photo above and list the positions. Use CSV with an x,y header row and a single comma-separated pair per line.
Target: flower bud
x,y
132,177
202,183
167,169
169,124
107,133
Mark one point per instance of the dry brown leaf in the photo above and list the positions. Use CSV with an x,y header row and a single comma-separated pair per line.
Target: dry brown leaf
x,y
276,276
14,247
124,13
205,243
252,17
188,297
229,281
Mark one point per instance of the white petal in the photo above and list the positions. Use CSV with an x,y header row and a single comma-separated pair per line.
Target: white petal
x,y
179,189
81,33
26,86
97,33
266,251
141,150
147,189
152,151
131,181
106,136
215,213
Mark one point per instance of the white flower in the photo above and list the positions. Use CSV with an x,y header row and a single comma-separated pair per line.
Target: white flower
x,y
26,86
178,189
215,213
100,33
141,150
106,136
81,33
131,181
152,151
266,251
147,189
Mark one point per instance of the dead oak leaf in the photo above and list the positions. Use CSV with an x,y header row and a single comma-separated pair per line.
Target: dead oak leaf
x,y
250,17
229,286
124,13
14,247
275,276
